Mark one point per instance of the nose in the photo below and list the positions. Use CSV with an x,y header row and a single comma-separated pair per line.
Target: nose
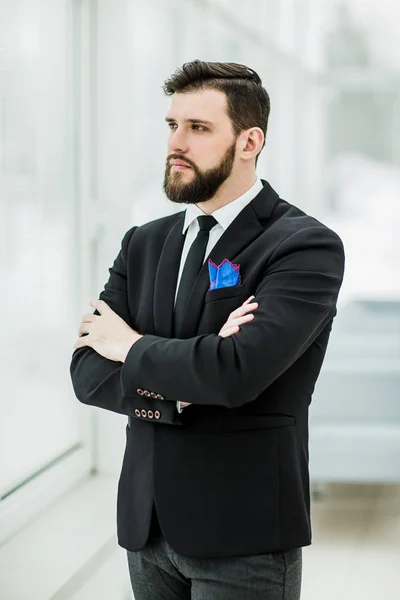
x,y
177,142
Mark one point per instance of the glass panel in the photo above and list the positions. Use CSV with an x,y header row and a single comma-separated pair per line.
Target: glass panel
x,y
37,228
362,174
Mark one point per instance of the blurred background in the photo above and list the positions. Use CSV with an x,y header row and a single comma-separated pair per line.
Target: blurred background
x,y
82,156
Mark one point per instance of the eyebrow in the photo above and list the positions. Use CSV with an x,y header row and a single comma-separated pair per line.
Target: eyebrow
x,y
168,119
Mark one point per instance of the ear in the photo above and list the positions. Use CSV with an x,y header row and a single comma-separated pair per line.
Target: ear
x,y
250,143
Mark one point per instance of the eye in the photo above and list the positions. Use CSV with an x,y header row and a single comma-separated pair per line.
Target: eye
x,y
171,125
199,127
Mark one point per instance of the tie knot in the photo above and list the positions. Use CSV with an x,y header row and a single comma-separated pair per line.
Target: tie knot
x,y
207,222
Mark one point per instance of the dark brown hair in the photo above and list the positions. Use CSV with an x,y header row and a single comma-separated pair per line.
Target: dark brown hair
x,y
248,102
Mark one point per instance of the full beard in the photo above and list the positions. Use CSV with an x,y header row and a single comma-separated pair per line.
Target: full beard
x,y
204,184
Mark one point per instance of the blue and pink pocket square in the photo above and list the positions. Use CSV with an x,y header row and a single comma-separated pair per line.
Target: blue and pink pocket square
x,y
224,275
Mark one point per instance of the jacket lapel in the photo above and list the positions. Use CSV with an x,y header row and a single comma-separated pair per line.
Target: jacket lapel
x,y
236,237
240,233
166,278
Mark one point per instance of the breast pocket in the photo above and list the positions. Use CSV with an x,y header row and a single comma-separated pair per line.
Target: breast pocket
x,y
226,292
218,305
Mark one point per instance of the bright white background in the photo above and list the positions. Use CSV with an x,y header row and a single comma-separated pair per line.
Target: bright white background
x,y
82,155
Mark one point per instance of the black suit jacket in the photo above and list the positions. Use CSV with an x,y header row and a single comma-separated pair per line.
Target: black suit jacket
x,y
229,475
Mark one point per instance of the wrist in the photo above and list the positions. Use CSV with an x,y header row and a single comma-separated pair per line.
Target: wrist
x,y
133,338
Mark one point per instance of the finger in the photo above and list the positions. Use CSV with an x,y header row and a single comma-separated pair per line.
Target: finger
x,y
89,318
239,320
228,331
229,327
248,300
243,310
100,305
83,341
84,328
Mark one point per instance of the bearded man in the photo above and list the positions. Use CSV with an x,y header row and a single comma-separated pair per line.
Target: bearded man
x,y
209,336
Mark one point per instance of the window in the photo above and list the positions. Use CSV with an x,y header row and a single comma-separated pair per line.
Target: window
x,y
41,425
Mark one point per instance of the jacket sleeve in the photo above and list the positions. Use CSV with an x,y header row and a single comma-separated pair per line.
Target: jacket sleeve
x,y
297,298
96,380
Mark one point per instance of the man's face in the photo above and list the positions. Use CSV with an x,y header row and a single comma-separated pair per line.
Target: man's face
x,y
201,146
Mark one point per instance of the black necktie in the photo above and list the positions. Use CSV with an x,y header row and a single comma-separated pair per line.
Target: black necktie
x,y
193,264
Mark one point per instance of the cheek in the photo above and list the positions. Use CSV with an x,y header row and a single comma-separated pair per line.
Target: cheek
x,y
208,155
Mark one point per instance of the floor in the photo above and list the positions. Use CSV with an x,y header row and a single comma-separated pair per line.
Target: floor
x,y
355,553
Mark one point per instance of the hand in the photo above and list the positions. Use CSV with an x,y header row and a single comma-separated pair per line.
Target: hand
x,y
109,335
238,317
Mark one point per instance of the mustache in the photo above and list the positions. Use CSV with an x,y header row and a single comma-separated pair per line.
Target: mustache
x,y
185,160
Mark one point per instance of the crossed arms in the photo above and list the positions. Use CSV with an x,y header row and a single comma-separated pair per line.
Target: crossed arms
x,y
296,300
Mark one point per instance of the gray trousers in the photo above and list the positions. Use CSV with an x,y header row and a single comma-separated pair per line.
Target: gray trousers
x,y
157,572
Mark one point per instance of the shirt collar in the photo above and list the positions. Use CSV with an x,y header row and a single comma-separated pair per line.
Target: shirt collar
x,y
226,214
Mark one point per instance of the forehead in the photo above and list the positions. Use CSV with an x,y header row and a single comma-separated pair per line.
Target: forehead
x,y
208,105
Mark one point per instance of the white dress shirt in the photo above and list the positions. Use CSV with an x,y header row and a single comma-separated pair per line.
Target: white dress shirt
x,y
224,216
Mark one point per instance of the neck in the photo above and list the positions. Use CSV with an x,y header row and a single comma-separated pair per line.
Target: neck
x,y
232,188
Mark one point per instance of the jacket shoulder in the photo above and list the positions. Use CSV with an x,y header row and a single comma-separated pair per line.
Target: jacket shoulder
x,y
161,224
292,220
157,229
